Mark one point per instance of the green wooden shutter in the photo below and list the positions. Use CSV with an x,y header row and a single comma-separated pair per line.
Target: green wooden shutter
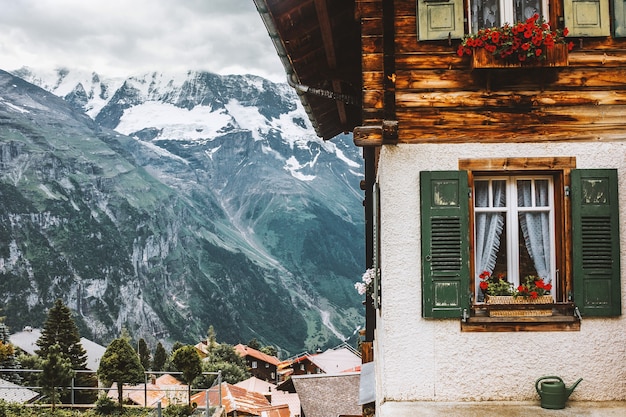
x,y
445,243
595,234
587,17
619,18
439,19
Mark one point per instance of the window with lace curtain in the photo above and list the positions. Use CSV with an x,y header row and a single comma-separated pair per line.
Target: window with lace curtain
x,y
514,228
516,217
490,13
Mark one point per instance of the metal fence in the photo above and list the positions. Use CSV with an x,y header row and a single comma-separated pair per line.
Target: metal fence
x,y
173,394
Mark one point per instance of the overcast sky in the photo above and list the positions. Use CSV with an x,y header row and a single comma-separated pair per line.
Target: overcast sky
x,y
124,37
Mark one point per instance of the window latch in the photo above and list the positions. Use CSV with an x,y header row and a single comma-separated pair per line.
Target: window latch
x,y
577,314
465,316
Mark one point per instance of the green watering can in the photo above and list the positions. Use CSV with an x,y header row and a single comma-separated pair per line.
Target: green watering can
x,y
553,391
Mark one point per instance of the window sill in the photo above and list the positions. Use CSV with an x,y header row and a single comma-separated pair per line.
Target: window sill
x,y
562,319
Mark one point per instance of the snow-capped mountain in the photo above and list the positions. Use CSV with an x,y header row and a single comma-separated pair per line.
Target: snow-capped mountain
x,y
221,204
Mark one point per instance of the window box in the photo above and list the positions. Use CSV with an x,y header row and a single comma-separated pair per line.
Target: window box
x,y
509,306
557,56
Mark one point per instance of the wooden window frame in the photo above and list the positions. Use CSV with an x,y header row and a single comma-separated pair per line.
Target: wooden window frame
x,y
559,168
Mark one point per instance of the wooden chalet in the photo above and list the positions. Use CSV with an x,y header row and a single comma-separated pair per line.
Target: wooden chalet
x,y
477,167
259,364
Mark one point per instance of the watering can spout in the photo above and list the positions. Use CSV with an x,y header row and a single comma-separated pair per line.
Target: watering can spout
x,y
572,387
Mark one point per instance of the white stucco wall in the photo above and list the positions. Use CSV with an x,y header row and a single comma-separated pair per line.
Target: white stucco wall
x,y
431,359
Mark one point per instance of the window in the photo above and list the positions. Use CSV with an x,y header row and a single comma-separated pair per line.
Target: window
x,y
489,13
444,19
254,365
514,228
560,222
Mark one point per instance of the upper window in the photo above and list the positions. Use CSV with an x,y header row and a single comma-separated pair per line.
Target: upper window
x,y
490,13
445,19
514,228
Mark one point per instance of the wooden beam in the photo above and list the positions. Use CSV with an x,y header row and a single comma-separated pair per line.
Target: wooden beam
x,y
331,56
368,135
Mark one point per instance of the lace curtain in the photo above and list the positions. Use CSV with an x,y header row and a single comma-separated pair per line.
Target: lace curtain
x,y
535,226
489,226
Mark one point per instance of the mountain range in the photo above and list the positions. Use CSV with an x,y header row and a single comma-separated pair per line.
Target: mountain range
x,y
168,203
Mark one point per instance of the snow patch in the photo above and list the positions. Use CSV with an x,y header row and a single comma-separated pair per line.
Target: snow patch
x,y
293,166
13,106
175,123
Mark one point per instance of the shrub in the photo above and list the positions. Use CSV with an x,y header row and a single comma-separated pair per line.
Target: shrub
x,y
105,406
178,411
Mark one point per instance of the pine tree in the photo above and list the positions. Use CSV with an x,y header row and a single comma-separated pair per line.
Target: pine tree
x,y
144,354
160,357
60,329
57,373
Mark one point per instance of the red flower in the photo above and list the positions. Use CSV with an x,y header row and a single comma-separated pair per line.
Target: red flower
x,y
565,32
521,288
539,283
484,285
547,287
534,295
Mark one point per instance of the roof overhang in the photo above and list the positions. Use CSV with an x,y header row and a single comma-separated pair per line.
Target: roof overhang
x,y
318,42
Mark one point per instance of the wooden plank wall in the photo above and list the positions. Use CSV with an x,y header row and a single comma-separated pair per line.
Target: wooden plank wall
x,y
439,98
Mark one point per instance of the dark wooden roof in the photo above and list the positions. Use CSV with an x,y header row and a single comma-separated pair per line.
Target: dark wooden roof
x,y
318,42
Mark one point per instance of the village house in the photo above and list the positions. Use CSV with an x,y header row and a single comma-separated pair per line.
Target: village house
x,y
26,341
332,361
479,170
166,390
260,365
271,392
237,402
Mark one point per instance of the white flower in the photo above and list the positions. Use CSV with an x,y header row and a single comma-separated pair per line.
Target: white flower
x,y
366,281
360,287
368,276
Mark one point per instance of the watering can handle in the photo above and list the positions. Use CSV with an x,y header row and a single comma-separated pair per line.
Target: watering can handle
x,y
542,378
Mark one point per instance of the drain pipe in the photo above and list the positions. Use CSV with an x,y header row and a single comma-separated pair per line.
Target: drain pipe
x,y
346,98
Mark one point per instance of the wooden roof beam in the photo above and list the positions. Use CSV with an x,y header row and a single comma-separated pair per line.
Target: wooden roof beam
x,y
331,56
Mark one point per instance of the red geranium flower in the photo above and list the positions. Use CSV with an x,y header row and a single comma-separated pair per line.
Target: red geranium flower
x,y
522,41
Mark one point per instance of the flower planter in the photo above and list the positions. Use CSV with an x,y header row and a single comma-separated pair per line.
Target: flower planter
x,y
509,306
555,57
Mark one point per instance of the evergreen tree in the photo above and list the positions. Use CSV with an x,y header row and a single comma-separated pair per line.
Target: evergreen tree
x,y
176,346
57,373
211,339
61,329
160,357
121,365
187,361
254,344
226,359
144,354
269,350
8,359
